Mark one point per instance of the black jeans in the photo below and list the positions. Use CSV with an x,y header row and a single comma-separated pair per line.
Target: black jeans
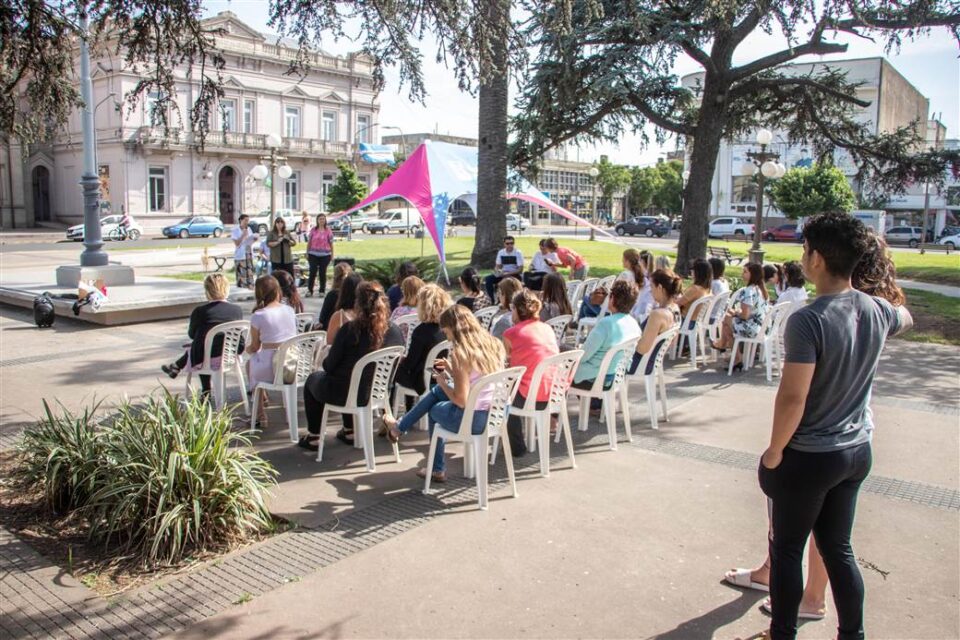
x,y
282,266
317,391
181,363
815,492
518,446
318,266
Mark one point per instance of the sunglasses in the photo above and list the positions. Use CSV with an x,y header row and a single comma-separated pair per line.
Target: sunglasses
x,y
508,244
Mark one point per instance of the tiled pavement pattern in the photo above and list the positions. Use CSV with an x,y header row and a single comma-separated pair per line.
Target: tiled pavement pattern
x,y
30,608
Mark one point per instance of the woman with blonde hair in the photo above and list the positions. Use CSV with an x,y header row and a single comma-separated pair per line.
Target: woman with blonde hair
x,y
202,320
475,353
507,289
432,301
410,288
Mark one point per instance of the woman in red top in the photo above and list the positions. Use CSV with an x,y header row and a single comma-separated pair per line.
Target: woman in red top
x,y
569,258
319,253
527,343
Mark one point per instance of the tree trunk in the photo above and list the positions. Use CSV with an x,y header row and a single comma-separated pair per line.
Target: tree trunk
x,y
492,152
697,194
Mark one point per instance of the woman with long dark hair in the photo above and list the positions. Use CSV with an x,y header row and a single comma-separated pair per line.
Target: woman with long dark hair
x,y
340,273
369,330
319,253
702,282
666,286
346,301
281,243
554,297
290,296
473,297
746,320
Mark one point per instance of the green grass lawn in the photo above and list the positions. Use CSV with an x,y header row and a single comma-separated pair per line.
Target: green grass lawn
x,y
937,268
936,318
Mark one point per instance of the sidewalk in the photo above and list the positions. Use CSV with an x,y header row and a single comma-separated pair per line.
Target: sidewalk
x,y
942,289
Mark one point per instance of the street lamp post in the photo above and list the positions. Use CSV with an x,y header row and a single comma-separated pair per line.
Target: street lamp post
x,y
93,254
769,166
594,172
273,168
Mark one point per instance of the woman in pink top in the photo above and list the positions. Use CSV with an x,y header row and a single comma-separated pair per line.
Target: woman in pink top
x,y
569,258
319,253
527,343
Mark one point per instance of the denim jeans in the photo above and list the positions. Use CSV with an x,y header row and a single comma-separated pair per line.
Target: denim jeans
x,y
443,412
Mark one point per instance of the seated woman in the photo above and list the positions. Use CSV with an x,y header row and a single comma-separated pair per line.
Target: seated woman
x,y
369,330
473,297
773,277
506,290
554,298
290,296
475,353
340,272
271,324
702,282
346,300
662,262
544,262
666,286
527,343
610,330
202,320
410,287
633,272
746,321
395,293
432,300
794,290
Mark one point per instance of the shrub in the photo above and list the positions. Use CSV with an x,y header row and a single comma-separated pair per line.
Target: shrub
x,y
385,271
59,455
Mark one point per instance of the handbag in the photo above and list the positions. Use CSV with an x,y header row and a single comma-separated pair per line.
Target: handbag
x,y
289,364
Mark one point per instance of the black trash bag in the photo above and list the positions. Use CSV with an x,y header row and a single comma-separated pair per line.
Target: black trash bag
x,y
43,313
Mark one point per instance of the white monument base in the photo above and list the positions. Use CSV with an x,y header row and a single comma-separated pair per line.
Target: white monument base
x,y
112,274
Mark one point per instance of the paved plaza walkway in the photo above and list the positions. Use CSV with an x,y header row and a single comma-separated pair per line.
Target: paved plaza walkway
x,y
630,544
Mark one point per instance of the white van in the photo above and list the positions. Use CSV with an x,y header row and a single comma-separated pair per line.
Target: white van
x,y
400,220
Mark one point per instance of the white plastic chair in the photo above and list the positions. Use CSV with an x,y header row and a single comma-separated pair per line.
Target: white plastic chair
x,y
304,322
574,287
232,333
306,345
407,323
693,330
609,394
401,393
476,447
384,363
559,326
767,339
713,318
586,325
485,316
650,370
561,368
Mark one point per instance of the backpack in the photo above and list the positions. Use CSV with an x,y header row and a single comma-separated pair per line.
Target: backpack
x,y
43,314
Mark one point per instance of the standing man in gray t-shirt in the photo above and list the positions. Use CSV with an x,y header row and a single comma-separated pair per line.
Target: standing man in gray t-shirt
x,y
819,451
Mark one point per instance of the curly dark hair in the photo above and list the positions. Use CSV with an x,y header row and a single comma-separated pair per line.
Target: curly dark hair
x,y
793,274
373,312
623,295
405,270
840,239
876,274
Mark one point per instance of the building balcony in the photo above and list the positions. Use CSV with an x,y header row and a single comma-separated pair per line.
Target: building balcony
x,y
158,139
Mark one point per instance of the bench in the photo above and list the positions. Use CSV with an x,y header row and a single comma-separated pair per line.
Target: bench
x,y
220,261
931,246
739,237
724,254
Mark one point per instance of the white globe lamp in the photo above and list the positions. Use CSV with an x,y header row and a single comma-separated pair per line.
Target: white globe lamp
x,y
285,171
272,141
764,136
748,169
259,172
769,169
781,170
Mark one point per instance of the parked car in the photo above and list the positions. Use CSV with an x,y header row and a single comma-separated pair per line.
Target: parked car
x,y
729,226
644,225
194,226
949,231
911,236
260,222
108,229
400,220
951,241
783,233
341,226
463,218
517,223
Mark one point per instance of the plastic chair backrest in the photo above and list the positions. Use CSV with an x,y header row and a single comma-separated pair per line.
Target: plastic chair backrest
x,y
407,323
560,368
776,317
559,326
588,286
306,345
485,316
719,305
619,370
304,320
653,359
696,312
385,361
504,385
233,333
433,354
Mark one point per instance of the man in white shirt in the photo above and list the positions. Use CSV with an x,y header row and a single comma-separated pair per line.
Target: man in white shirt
x,y
509,263
243,240
543,262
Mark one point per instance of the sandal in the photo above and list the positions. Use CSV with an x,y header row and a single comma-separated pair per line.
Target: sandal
x,y
344,436
741,578
309,442
438,476
819,614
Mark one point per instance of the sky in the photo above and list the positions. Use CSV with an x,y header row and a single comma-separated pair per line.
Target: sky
x,y
931,64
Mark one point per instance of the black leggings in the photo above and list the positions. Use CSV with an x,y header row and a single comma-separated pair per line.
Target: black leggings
x,y
282,266
518,446
318,266
181,363
815,492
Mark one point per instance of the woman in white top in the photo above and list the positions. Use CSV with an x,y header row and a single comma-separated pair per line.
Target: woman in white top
x,y
271,324
474,353
243,240
794,282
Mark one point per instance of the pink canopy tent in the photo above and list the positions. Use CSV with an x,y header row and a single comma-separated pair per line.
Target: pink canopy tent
x,y
436,174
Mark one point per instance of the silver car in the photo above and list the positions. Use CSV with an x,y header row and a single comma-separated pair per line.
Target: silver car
x,y
911,236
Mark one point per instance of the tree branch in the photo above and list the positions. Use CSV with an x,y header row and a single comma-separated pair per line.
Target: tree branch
x,y
750,87
640,104
850,25
776,59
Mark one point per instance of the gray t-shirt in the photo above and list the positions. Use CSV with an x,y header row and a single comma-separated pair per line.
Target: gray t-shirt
x,y
843,335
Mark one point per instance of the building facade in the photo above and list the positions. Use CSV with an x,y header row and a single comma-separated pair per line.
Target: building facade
x,y
159,174
894,102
